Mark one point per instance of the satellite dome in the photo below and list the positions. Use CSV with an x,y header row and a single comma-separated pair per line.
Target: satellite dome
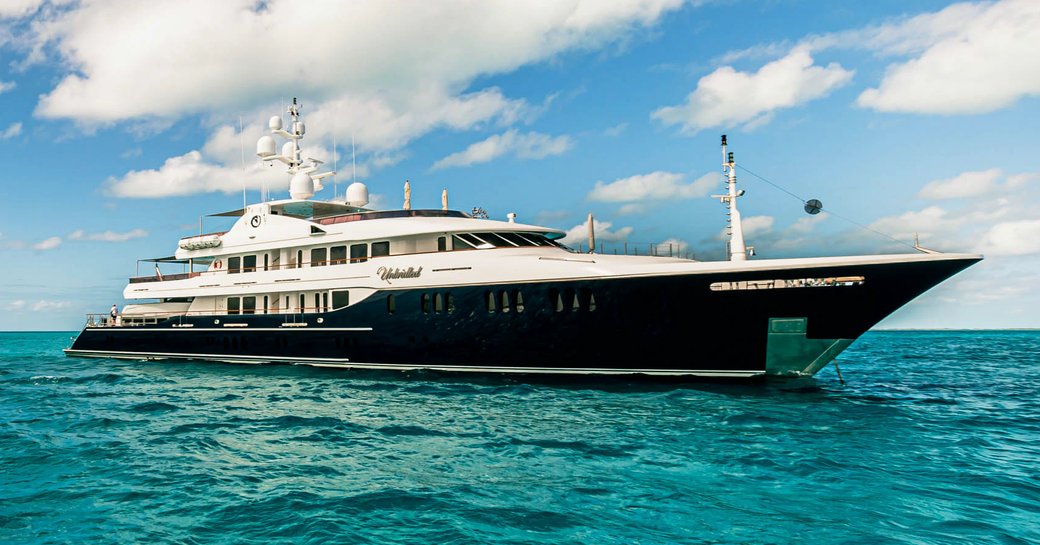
x,y
301,186
265,146
275,123
357,194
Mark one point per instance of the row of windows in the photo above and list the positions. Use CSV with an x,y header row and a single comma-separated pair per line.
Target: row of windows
x,y
482,241
252,304
503,301
334,255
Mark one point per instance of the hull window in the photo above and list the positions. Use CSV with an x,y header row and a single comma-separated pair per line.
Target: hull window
x,y
233,305
265,309
325,301
555,300
317,302
504,297
424,303
518,299
489,300
340,299
572,298
449,300
391,304
303,303
438,303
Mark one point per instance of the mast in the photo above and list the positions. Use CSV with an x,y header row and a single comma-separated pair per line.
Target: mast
x,y
737,249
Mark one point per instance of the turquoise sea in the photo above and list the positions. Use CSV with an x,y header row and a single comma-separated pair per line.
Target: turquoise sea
x,y
935,438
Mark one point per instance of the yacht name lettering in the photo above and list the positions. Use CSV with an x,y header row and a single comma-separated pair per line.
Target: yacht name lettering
x,y
393,273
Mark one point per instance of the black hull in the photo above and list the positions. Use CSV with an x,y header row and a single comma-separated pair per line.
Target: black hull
x,y
670,325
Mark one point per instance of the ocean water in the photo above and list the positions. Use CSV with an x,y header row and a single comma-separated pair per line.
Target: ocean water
x,y
935,438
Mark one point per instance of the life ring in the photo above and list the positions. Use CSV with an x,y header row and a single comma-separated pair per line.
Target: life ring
x,y
218,264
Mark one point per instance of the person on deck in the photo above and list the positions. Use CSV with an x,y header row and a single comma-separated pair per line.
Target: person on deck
x,y
113,315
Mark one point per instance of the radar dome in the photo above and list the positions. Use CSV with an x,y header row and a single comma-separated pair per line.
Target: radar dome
x,y
289,150
357,194
275,123
265,146
301,186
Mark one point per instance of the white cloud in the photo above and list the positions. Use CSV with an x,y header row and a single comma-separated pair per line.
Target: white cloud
x,y
752,226
45,305
11,131
1013,238
48,244
654,186
967,184
616,130
727,97
395,51
971,58
531,145
632,209
6,86
108,236
10,9
189,174
580,233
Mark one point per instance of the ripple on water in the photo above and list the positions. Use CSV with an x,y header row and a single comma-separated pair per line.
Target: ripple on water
x,y
931,441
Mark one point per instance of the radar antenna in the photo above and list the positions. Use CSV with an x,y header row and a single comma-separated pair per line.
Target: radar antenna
x,y
302,184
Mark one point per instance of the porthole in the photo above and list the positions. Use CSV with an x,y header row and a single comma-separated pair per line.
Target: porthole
x,y
518,299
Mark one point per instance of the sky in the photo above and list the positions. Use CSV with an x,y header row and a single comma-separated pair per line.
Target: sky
x,y
124,122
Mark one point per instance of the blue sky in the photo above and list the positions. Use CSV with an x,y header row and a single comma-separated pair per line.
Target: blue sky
x,y
120,128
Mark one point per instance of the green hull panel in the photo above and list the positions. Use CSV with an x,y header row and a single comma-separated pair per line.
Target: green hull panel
x,y
790,353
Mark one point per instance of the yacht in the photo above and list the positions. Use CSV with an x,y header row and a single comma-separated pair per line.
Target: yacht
x,y
336,284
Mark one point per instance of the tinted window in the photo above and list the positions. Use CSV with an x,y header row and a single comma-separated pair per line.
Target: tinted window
x,y
518,299
504,297
233,305
318,257
234,264
450,302
358,253
249,305
424,303
470,239
438,303
459,243
380,249
495,240
248,263
515,239
391,304
337,255
555,301
340,299
442,244
489,301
